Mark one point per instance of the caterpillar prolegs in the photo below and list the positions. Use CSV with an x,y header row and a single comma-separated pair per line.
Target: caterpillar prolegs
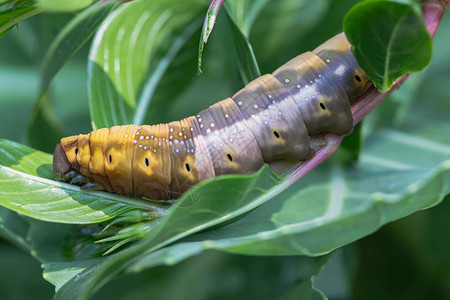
x,y
271,119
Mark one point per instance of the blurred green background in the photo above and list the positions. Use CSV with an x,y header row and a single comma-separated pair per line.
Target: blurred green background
x,y
407,259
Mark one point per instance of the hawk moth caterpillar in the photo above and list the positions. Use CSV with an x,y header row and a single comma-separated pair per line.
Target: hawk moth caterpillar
x,y
271,119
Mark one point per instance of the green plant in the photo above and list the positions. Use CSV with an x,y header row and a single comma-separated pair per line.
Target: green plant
x,y
403,166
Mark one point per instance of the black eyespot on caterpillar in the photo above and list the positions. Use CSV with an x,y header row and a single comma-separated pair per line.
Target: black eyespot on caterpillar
x,y
230,158
147,162
110,159
276,134
188,167
76,151
322,106
357,78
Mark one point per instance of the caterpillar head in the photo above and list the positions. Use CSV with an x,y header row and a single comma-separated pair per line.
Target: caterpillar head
x,y
61,165
337,54
65,165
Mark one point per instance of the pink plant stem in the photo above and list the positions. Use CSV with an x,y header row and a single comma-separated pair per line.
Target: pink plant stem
x,y
433,10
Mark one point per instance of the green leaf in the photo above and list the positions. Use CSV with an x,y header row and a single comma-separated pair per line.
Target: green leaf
x,y
351,145
62,6
11,17
25,187
208,25
138,39
245,13
45,130
284,29
391,46
247,64
194,211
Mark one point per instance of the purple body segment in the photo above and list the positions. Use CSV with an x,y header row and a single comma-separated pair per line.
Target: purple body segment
x,y
231,144
322,101
274,119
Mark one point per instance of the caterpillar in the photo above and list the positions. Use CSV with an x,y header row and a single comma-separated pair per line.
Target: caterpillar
x,y
271,119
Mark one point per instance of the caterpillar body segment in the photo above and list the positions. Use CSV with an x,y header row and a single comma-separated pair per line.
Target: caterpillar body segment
x,y
270,120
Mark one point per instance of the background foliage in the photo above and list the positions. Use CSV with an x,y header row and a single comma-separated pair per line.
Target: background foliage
x,y
407,258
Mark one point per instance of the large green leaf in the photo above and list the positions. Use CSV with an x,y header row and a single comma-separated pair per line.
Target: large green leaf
x,y
140,38
26,186
389,47
193,212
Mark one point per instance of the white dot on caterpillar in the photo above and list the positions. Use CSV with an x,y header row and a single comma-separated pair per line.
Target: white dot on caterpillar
x,y
177,150
266,122
147,137
155,139
192,129
270,96
306,86
255,106
221,145
212,125
299,86
198,116
123,143
176,142
274,102
126,135
141,137
170,143
208,130
170,136
240,103
135,141
199,119
306,98
154,150
180,134
159,144
145,148
216,133
320,76
151,136
140,146
214,145
171,129
183,129
139,127
231,140
311,81
327,60
181,143
137,133
201,125
226,116
286,80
